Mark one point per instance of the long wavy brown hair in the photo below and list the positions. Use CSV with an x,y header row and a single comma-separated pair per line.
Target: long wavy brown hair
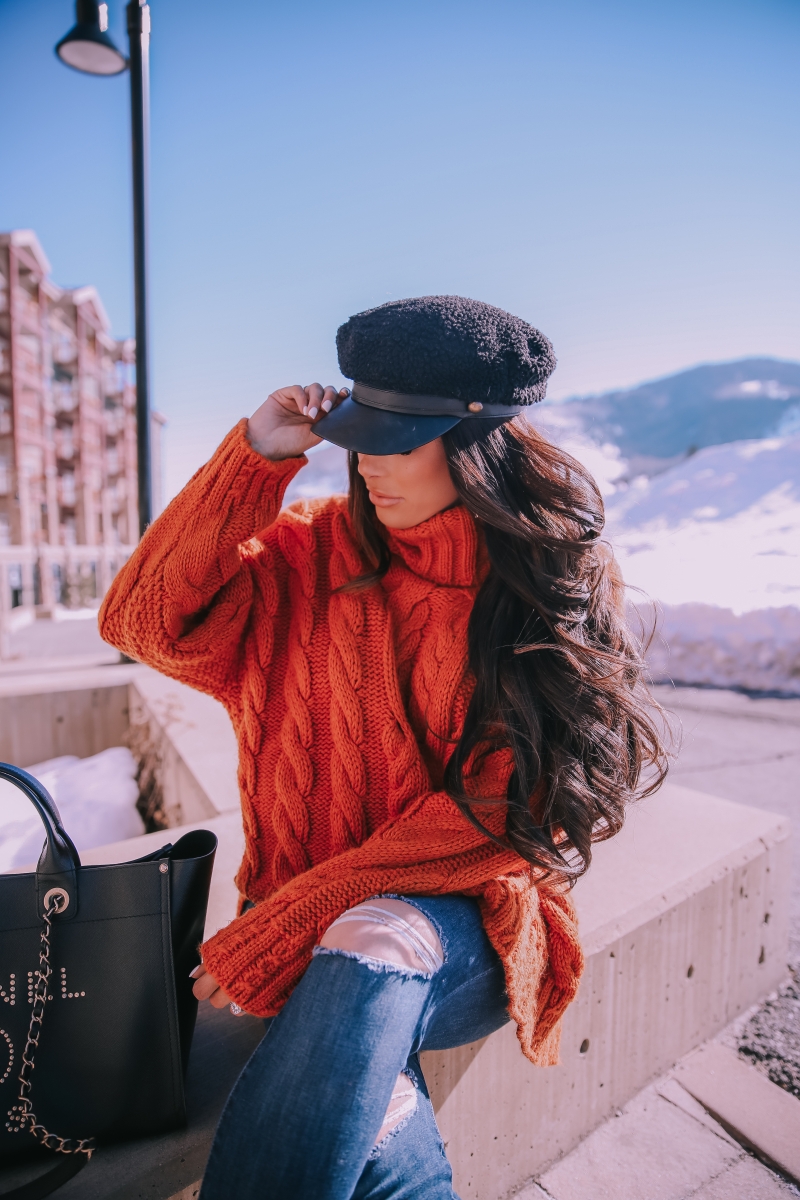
x,y
559,675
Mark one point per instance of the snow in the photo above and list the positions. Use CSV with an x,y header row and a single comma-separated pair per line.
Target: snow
x,y
711,548
95,796
562,424
710,646
722,528
325,475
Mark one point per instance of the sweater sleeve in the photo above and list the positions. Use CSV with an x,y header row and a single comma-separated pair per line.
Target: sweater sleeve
x,y
182,600
429,849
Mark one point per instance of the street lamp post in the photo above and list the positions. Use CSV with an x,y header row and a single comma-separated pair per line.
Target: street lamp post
x,y
88,48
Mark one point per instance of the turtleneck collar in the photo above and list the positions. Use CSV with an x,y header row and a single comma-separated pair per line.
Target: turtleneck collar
x,y
446,549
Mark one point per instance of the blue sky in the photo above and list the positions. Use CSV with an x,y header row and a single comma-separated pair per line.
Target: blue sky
x,y
625,175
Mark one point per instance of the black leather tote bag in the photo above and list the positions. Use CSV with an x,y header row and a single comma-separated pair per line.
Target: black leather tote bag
x,y
95,991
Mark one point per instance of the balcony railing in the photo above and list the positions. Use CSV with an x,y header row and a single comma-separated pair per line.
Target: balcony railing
x,y
65,350
65,445
67,492
115,421
65,397
27,310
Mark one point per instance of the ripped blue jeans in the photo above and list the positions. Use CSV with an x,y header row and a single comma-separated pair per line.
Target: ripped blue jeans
x,y
302,1120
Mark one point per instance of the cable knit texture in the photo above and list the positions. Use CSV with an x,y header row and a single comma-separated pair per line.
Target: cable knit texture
x,y
346,708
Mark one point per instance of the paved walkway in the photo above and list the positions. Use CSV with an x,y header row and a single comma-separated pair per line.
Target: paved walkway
x,y
661,1146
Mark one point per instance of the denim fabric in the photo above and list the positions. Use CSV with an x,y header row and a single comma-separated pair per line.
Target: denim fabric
x,y
302,1119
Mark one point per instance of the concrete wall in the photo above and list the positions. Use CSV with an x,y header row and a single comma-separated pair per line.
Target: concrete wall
x,y
48,713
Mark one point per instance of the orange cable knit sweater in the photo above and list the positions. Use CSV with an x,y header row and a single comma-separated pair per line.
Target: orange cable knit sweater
x,y
345,707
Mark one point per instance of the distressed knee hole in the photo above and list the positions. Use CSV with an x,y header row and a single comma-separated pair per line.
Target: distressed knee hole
x,y
388,930
401,1105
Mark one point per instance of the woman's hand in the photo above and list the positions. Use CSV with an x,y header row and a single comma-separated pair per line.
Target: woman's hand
x,y
206,988
283,427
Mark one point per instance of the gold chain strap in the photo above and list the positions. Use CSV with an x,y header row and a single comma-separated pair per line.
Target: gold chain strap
x,y
22,1116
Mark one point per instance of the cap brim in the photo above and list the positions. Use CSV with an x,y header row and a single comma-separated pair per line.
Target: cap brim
x,y
377,431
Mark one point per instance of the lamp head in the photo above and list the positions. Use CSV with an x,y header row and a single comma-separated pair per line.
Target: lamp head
x,y
87,47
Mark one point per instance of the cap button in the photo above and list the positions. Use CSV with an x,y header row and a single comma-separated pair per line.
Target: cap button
x,y
475,406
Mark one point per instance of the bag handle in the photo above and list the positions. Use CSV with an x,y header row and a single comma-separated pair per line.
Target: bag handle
x,y
59,861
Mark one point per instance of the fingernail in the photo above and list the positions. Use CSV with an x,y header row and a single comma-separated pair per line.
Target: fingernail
x,y
327,405
193,974
344,392
305,411
312,412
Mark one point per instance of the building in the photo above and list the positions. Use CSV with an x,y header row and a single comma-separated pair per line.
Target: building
x,y
68,484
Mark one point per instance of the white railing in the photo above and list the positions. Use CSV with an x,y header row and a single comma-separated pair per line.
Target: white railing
x,y
65,444
115,421
65,397
67,493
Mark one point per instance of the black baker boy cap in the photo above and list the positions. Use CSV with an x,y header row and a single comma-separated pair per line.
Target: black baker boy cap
x,y
420,366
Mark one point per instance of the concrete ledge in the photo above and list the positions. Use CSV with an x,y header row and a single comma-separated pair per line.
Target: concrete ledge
x,y
21,668
673,921
683,918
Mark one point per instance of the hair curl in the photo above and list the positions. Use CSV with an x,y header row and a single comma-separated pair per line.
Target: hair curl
x,y
559,677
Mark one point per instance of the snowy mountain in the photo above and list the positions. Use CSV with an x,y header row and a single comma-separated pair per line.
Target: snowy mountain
x,y
658,423
723,527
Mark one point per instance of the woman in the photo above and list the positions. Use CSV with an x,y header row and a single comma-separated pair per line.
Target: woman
x,y
438,709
